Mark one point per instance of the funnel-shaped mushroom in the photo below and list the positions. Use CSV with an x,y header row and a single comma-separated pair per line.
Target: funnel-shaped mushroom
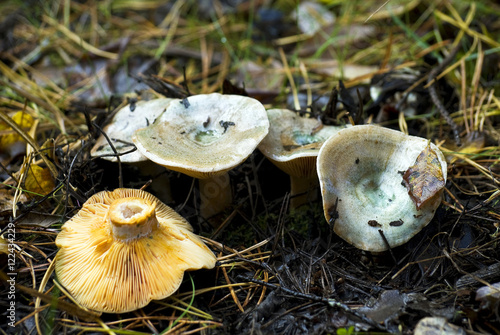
x,y
204,136
123,125
125,248
293,144
362,172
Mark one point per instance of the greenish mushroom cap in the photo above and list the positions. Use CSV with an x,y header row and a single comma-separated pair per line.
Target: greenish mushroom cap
x,y
293,142
123,126
204,135
361,177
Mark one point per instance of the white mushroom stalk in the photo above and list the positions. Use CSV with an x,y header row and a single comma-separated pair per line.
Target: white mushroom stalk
x,y
132,218
361,172
205,136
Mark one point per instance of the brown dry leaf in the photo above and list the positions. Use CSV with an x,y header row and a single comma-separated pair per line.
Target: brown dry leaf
x,y
343,36
333,68
37,219
7,201
425,178
258,75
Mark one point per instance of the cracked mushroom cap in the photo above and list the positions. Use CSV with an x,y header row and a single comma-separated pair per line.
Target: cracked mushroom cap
x,y
123,125
361,171
293,142
204,135
125,248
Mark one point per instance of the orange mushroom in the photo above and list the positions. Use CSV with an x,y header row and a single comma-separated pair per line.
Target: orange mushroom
x,y
125,248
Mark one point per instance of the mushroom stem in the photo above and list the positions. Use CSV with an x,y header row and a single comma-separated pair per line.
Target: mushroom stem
x,y
132,218
303,189
215,194
161,180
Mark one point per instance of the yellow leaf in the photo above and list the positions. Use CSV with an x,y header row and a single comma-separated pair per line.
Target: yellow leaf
x,y
39,180
24,120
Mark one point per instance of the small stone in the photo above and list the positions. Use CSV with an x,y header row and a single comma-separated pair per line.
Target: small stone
x,y
437,326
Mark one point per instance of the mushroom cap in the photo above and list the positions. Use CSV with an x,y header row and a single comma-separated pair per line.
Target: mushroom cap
x,y
361,178
125,248
204,135
123,126
293,142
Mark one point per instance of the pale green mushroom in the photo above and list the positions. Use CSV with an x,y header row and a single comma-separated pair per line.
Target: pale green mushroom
x,y
122,127
204,136
120,130
293,144
361,172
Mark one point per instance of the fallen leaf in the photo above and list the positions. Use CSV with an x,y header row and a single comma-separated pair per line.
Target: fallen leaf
x,y
39,180
424,179
312,16
37,219
388,306
10,141
7,202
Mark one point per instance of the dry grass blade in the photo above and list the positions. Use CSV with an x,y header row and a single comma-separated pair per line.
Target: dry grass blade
x,y
231,290
289,75
30,90
62,305
71,65
78,40
462,25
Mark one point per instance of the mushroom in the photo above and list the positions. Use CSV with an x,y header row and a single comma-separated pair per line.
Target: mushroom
x,y
365,197
436,325
293,144
123,125
120,129
125,248
204,136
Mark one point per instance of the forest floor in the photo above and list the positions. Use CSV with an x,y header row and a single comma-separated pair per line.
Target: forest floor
x,y
67,66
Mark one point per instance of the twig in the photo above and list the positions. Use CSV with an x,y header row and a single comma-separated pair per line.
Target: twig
x,y
120,177
381,232
435,98
68,177
27,209
329,301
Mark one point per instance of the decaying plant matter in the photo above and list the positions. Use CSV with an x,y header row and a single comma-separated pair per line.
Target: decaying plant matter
x,y
421,68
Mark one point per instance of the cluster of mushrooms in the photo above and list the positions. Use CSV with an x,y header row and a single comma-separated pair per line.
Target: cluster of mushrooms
x,y
125,248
